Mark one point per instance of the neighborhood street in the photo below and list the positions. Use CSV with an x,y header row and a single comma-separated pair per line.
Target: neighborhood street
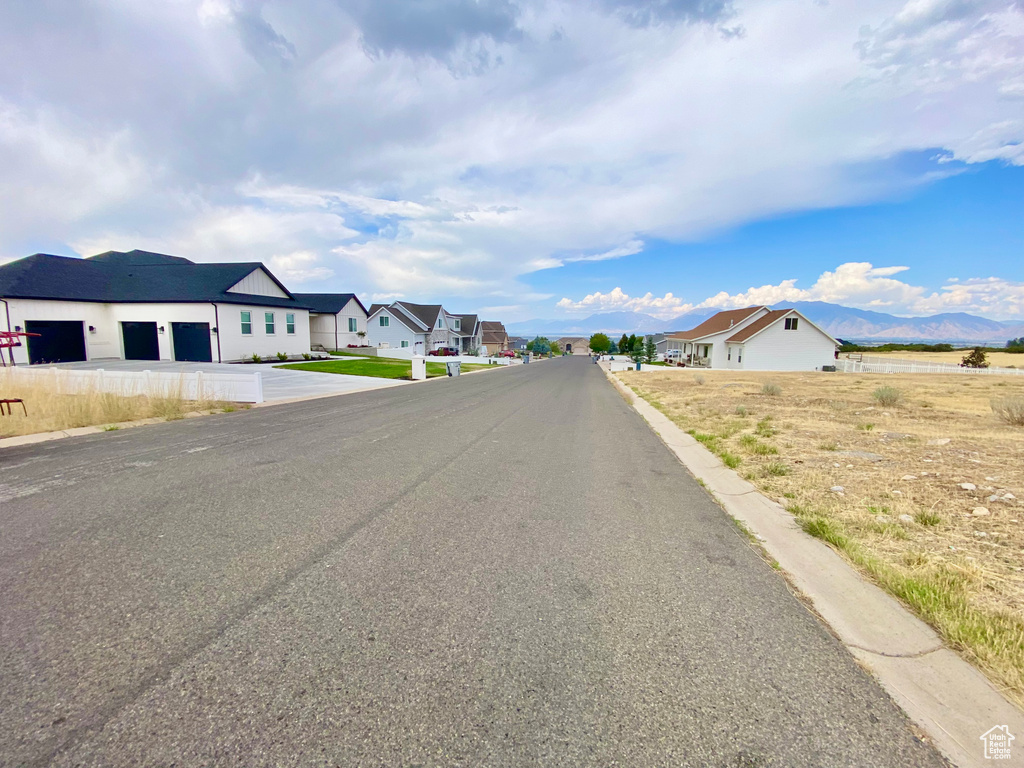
x,y
503,569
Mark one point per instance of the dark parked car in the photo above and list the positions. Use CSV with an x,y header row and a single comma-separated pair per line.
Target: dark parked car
x,y
444,352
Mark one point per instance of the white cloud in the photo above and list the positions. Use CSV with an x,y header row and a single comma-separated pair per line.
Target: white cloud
x,y
854,284
460,158
616,300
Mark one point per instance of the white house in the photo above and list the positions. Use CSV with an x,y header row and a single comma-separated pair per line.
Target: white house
x,y
754,338
335,319
148,306
421,328
781,340
471,330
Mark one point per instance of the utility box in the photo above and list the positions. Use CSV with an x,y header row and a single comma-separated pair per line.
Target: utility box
x,y
454,367
419,368
526,358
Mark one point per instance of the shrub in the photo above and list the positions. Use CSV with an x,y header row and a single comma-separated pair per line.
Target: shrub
x,y
976,359
257,359
771,389
741,410
306,356
282,356
887,396
1010,410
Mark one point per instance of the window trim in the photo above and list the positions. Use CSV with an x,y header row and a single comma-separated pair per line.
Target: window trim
x,y
353,325
385,321
458,324
289,323
246,320
270,323
405,344
791,323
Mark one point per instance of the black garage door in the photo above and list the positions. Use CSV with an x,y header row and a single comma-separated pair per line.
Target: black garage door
x,y
192,342
140,341
59,341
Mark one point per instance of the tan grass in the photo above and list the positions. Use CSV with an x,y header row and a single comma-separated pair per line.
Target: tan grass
x,y
50,409
996,359
961,572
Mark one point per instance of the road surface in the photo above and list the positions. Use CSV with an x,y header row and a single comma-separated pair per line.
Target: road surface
x,y
504,569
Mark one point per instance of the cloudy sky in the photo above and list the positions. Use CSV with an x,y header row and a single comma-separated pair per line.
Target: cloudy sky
x,y
532,158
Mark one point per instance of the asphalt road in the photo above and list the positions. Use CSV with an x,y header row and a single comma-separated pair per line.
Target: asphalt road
x,y
505,569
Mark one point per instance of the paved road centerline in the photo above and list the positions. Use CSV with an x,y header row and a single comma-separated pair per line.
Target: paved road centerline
x,y
500,569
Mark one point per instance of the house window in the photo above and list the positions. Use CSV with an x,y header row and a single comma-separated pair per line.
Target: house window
x,y
739,355
791,323
247,323
458,324
405,343
728,353
385,321
352,326
268,319
440,321
289,323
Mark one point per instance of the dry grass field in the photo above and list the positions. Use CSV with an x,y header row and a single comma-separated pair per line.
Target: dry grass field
x,y
923,491
50,410
995,359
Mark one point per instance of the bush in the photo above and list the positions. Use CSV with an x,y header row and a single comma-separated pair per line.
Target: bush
x,y
1010,410
741,410
282,356
771,389
257,359
306,356
888,396
976,359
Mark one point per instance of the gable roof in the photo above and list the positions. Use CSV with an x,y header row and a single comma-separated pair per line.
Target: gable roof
x,y
749,331
424,313
133,277
329,303
468,324
717,323
401,317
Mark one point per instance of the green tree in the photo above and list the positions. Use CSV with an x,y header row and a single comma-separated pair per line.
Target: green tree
x,y
613,348
650,350
976,359
555,349
624,344
600,343
632,343
539,346
1015,343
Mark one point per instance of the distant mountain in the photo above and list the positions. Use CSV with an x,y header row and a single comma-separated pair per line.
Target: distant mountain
x,y
837,320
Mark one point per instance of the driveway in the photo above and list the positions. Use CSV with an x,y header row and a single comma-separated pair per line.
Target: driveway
x,y
278,383
486,571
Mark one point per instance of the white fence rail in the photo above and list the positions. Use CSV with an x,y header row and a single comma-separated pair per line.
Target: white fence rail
x,y
189,385
887,365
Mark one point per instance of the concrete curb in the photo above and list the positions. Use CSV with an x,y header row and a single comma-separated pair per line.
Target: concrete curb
x,y
950,700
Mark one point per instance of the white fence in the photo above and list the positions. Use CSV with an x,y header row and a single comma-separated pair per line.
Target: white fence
x,y
192,385
887,365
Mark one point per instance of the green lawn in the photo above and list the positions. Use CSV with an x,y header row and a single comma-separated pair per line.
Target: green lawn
x,y
378,367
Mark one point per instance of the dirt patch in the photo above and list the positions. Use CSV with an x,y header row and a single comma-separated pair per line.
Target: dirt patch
x,y
926,496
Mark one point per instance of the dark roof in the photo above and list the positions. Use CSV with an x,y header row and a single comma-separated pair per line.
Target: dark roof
x,y
722,321
373,309
328,303
135,276
425,313
468,324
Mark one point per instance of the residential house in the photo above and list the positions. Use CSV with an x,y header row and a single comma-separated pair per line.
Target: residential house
x,y
469,327
781,340
754,338
494,338
139,305
518,343
336,320
419,327
574,345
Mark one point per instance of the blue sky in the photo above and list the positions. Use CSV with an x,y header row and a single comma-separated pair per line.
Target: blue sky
x,y
532,158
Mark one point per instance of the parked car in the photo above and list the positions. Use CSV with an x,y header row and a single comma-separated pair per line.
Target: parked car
x,y
507,353
444,352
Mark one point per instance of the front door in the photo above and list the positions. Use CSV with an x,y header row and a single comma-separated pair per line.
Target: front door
x,y
59,341
140,341
192,342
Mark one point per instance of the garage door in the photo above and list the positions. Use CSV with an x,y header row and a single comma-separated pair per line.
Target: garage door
x,y
192,342
59,341
140,341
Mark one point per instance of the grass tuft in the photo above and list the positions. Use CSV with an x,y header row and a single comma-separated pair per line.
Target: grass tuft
x,y
1010,410
888,396
771,389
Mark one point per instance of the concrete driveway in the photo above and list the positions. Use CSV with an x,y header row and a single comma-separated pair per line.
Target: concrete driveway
x,y
278,384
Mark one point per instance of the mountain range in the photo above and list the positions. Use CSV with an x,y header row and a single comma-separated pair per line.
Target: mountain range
x,y
841,322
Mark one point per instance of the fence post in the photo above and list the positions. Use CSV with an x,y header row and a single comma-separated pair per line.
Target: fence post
x,y
199,385
259,387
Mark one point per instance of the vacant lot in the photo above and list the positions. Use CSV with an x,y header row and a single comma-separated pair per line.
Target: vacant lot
x,y
924,493
995,359
378,367
50,409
